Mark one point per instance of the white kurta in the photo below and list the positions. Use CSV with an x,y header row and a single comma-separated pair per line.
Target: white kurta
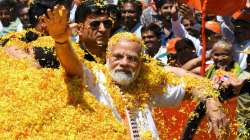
x,y
172,97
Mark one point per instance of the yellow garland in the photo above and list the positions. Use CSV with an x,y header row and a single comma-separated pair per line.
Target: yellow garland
x,y
41,41
152,80
221,73
18,34
34,104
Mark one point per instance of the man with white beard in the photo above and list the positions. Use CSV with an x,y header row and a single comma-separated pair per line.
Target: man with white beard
x,y
124,77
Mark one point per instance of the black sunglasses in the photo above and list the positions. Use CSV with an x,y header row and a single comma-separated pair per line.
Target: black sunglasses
x,y
95,24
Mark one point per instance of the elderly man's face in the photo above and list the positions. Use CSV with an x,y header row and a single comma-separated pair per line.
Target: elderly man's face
x,y
96,29
222,57
124,62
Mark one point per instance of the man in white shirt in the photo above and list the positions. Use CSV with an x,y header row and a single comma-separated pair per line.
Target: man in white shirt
x,y
8,18
151,36
124,67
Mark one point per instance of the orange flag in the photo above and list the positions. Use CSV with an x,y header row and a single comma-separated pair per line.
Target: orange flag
x,y
218,7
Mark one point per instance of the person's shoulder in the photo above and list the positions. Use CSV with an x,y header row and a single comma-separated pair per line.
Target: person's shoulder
x,y
244,75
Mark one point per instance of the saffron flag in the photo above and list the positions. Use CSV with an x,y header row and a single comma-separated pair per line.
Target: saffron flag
x,y
218,7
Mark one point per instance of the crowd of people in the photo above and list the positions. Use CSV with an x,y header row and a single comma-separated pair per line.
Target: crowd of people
x,y
110,69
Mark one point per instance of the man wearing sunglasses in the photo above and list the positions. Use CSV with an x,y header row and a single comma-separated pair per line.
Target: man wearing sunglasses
x,y
95,25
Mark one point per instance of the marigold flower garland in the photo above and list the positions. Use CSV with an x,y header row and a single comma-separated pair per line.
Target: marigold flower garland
x,y
151,80
34,104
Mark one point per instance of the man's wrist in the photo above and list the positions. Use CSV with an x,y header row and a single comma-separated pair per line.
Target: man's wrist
x,y
61,38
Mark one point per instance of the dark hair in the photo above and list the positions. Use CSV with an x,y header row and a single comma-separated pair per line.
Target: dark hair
x,y
40,7
159,3
46,57
21,6
152,27
91,7
137,4
240,22
183,42
8,3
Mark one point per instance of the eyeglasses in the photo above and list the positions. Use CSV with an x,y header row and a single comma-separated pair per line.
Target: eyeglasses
x,y
96,24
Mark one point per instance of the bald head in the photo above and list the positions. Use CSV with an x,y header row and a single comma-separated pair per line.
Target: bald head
x,y
222,44
222,55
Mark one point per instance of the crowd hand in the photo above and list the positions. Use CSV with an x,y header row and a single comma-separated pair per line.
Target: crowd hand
x,y
225,83
174,12
57,23
236,84
186,11
222,82
217,119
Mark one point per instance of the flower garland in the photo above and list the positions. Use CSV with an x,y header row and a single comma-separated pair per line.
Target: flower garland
x,y
34,104
152,80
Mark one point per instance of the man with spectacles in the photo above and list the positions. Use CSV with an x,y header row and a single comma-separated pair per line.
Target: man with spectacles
x,y
95,25
125,67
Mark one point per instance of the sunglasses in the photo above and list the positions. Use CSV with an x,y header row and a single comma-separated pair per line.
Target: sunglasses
x,y
96,24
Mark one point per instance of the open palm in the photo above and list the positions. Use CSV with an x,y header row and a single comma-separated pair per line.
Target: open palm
x,y
57,21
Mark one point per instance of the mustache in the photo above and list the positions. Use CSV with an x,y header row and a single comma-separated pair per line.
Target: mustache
x,y
128,72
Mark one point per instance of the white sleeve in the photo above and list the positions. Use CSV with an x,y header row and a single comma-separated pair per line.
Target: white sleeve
x,y
180,31
94,82
226,27
170,98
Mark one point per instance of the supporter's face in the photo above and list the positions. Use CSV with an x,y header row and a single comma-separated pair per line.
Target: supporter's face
x,y
5,16
198,16
185,54
124,62
187,24
242,31
151,41
165,10
212,38
129,15
23,15
41,26
96,29
222,57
